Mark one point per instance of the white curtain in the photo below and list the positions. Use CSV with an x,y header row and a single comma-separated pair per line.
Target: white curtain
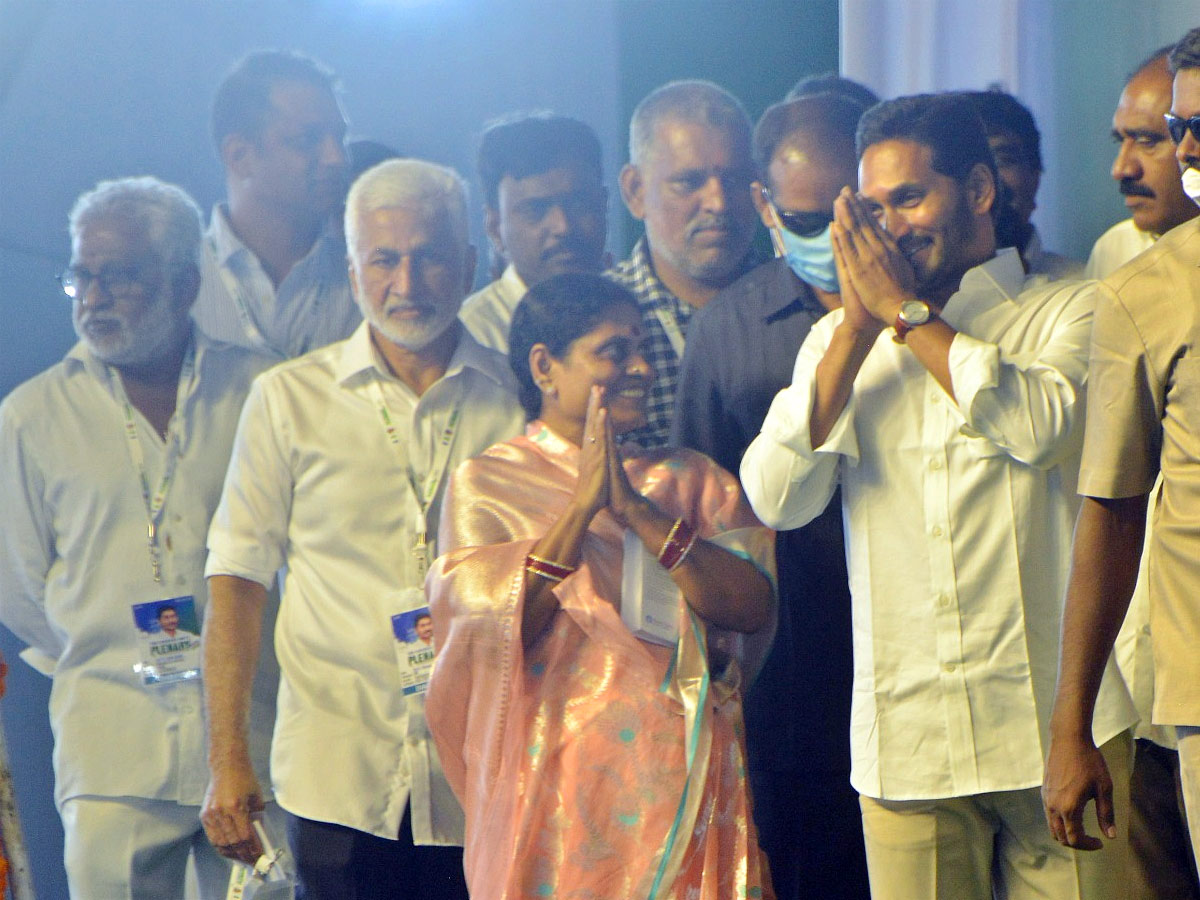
x,y
1065,59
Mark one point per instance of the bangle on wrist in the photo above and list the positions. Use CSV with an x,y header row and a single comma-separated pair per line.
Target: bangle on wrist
x,y
680,540
545,568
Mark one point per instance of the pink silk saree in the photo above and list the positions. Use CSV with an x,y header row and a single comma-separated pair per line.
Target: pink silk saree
x,y
594,766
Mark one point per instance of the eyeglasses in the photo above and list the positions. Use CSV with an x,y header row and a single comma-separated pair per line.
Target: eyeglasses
x,y
118,283
801,224
1177,126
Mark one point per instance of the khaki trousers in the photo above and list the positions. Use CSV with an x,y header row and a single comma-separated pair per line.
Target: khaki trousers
x,y
993,845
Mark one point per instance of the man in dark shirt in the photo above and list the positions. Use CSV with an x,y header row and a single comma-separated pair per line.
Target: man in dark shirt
x,y
740,351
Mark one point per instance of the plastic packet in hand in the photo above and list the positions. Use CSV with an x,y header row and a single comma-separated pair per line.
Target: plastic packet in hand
x,y
270,878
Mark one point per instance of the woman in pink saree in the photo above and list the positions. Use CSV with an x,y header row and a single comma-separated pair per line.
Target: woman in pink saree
x,y
591,763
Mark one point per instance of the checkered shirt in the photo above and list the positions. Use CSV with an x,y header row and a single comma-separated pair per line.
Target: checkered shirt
x,y
636,274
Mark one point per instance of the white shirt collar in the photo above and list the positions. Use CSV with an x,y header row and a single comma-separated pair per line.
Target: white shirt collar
x,y
359,355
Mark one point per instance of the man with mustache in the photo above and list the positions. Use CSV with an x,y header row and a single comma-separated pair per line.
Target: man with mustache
x,y
337,474
1145,170
1142,426
945,397
111,464
688,180
740,353
545,212
1147,175
274,271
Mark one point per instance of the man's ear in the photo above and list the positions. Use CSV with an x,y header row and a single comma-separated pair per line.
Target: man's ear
x,y
470,257
491,227
236,150
758,196
353,278
981,189
185,286
632,188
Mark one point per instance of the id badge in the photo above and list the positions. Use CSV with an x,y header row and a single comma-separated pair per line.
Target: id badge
x,y
169,637
413,630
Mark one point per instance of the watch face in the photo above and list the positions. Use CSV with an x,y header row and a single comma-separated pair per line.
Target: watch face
x,y
914,312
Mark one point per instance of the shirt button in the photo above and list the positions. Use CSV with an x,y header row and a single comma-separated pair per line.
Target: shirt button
x,y
943,600
935,464
948,667
933,396
937,530
181,580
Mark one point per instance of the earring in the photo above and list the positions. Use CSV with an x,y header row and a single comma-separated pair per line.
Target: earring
x,y
548,389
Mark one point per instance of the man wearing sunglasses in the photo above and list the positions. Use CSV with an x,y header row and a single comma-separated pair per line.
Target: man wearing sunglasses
x,y
945,397
1147,176
740,352
1143,421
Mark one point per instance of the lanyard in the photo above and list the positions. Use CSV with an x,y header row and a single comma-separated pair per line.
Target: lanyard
x,y
155,502
234,288
437,470
670,324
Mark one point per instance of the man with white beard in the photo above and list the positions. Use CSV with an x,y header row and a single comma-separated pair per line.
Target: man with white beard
x,y
337,473
111,464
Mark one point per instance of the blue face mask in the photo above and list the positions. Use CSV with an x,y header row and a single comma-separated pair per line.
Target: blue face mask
x,y
811,258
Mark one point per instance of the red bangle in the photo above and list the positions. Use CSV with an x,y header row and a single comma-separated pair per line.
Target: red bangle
x,y
544,568
680,540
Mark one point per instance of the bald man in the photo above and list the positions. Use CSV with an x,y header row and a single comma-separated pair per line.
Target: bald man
x,y
740,351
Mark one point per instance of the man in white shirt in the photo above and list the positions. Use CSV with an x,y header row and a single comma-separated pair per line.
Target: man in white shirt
x,y
111,464
545,212
1147,175
1145,170
337,473
945,397
274,274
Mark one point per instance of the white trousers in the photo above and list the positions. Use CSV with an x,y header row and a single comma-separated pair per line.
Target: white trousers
x,y
129,848
995,845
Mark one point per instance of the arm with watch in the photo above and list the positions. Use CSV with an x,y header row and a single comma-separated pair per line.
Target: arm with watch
x,y
1020,384
878,291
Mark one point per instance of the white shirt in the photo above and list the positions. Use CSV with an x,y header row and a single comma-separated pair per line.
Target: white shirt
x,y
488,312
1117,246
958,522
1132,649
316,484
1054,266
74,560
238,304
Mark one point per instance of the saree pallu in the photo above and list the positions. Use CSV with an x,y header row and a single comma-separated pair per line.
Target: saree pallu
x,y
593,766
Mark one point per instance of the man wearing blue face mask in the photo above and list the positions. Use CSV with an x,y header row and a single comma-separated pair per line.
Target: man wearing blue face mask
x,y
740,352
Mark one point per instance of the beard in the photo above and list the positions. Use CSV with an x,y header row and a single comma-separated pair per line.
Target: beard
x,y
411,334
116,341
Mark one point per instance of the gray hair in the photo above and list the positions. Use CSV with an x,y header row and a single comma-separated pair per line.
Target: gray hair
x,y
167,215
410,184
701,102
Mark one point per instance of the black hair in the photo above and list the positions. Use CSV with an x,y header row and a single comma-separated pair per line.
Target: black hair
x,y
532,143
1185,54
1002,113
556,312
832,83
945,123
243,98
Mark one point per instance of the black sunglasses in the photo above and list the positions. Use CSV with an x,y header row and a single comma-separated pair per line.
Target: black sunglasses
x,y
804,224
1177,126
801,224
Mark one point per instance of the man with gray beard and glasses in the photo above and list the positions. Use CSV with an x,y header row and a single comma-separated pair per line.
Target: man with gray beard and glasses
x,y
111,464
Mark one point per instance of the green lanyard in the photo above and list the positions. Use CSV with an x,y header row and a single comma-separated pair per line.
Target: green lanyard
x,y
155,502
423,495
